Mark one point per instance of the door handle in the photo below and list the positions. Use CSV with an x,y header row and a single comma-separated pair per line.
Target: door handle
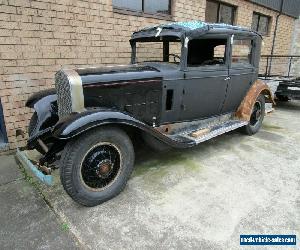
x,y
227,78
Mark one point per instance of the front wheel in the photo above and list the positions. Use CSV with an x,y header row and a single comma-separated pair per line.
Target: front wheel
x,y
257,116
95,166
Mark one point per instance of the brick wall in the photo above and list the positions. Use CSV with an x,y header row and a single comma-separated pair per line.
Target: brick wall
x,y
39,37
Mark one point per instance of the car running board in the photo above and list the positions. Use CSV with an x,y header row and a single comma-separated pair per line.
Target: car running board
x,y
204,134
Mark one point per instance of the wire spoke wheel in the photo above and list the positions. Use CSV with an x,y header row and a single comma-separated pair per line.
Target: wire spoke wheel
x,y
100,166
96,165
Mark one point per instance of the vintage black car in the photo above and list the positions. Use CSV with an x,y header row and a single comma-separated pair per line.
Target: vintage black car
x,y
187,83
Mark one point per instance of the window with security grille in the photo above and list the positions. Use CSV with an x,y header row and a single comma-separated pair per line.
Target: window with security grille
x,y
218,12
146,6
261,23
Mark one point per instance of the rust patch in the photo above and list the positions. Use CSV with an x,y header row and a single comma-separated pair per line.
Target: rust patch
x,y
200,132
166,129
245,109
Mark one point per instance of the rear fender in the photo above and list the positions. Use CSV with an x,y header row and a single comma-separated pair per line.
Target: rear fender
x,y
245,109
76,124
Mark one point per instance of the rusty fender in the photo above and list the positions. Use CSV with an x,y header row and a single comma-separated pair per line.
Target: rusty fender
x,y
245,109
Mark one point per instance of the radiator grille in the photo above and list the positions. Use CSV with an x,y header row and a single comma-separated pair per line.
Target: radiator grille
x,y
63,91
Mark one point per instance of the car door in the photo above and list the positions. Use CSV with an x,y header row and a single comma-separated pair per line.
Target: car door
x,y
205,78
241,72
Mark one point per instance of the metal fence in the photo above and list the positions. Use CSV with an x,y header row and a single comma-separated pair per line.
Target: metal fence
x,y
286,66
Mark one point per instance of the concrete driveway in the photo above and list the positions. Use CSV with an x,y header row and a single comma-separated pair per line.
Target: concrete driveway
x,y
26,221
201,198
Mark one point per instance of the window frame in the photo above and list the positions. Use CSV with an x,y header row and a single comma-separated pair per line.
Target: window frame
x,y
238,65
165,51
269,18
142,13
211,67
134,52
219,3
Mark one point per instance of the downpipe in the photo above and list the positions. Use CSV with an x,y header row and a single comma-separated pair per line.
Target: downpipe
x,y
274,37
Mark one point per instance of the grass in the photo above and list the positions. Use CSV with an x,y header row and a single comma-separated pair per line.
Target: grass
x,y
270,126
65,227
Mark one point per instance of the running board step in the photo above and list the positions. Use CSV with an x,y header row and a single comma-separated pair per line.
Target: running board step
x,y
207,133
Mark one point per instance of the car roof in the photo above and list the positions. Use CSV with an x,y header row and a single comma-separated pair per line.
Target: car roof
x,y
191,29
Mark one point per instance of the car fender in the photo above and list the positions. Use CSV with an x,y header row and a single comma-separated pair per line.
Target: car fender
x,y
34,98
245,109
77,124
46,110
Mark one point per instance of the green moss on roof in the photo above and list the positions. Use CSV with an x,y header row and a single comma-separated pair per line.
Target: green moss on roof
x,y
192,25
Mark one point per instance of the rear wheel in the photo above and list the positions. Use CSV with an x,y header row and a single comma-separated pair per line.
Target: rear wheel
x,y
95,166
257,116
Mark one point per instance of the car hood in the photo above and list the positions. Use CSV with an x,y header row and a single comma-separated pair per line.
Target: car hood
x,y
123,73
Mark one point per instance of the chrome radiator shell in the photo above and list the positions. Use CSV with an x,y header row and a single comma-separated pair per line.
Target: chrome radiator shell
x,y
69,91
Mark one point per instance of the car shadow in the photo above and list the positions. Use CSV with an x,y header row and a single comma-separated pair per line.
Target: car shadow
x,y
290,105
145,154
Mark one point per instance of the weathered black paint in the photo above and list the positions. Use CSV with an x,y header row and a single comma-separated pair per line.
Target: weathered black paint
x,y
140,98
39,95
82,122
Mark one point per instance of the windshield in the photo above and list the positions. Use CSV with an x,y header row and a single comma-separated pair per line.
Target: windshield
x,y
154,52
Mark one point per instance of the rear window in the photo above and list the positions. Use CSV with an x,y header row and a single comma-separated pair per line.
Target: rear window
x,y
241,51
206,52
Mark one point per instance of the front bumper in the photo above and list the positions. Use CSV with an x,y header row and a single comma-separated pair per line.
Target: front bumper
x,y
28,165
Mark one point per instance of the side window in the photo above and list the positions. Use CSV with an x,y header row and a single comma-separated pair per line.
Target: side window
x,y
241,51
204,52
154,52
219,52
149,51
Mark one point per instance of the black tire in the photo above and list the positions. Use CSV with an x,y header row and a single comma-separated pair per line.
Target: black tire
x,y
86,165
257,116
